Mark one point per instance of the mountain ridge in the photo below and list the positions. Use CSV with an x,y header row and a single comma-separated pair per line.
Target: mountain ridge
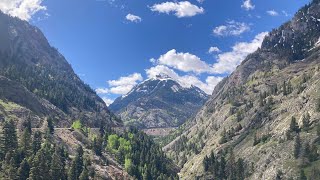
x,y
256,103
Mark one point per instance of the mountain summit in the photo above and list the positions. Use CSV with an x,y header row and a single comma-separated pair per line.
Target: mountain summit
x,y
159,102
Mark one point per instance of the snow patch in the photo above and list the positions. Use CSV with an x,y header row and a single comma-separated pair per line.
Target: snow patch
x,y
175,88
317,43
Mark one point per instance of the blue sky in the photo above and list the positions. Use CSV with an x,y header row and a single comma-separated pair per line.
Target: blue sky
x,y
114,44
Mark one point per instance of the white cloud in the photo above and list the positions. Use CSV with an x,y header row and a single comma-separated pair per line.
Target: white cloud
x,y
22,9
228,61
185,81
102,91
285,13
122,85
273,13
107,101
247,5
180,9
200,1
232,28
133,18
214,50
185,62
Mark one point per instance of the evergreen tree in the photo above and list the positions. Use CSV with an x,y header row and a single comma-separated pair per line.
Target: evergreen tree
x,y
27,125
57,166
36,143
25,143
223,137
97,146
72,174
284,88
84,175
297,146
294,127
9,140
302,175
306,122
231,169
9,167
315,173
240,170
279,175
79,161
206,163
50,125
24,170
39,170
318,105
222,168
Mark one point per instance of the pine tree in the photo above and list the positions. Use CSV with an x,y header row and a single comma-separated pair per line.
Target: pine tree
x,y
206,163
222,168
223,137
240,170
72,174
24,170
25,143
84,175
284,88
9,140
231,167
302,175
57,166
297,146
315,173
27,125
97,146
41,163
294,127
36,143
79,161
9,167
50,125
306,122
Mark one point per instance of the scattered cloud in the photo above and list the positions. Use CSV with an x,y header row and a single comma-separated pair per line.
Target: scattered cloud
x,y
102,90
185,62
228,61
200,1
272,13
133,18
232,28
180,9
23,9
247,5
122,85
214,50
107,101
285,13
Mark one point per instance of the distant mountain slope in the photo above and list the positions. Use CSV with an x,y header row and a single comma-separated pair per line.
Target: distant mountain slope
x,y
26,58
158,102
252,113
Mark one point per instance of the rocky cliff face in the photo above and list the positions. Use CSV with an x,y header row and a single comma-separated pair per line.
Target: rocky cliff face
x,y
27,61
158,102
250,111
